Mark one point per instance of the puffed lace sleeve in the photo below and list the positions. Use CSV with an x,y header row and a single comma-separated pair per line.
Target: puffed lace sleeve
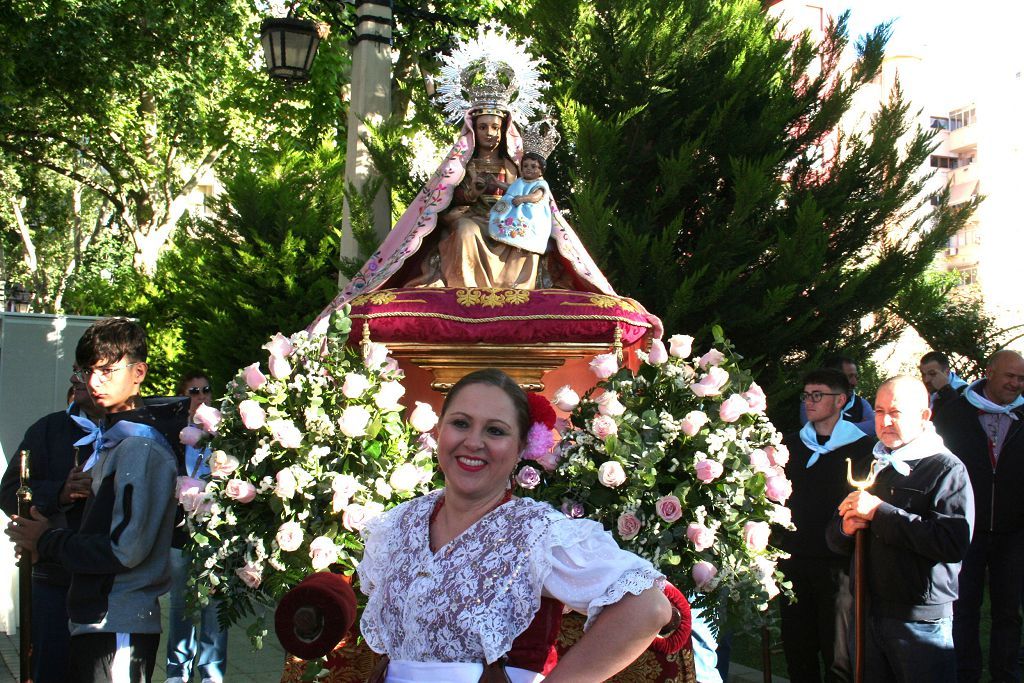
x,y
377,544
590,571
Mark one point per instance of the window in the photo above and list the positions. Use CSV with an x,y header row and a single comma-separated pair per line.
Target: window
x,y
961,117
968,276
941,122
938,161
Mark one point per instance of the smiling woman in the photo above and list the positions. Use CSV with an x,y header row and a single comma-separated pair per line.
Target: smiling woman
x,y
483,575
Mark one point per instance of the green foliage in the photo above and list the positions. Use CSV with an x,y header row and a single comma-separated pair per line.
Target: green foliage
x,y
952,320
265,262
700,168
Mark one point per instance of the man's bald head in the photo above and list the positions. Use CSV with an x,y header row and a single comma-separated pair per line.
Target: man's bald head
x,y
1004,377
901,410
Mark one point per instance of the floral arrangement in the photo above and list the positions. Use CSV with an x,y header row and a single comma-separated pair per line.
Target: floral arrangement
x,y
680,463
302,457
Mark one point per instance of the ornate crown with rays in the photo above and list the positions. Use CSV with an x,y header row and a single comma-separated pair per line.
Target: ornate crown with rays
x,y
541,137
491,74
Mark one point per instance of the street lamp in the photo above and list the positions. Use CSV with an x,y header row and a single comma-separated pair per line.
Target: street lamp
x,y
289,45
18,298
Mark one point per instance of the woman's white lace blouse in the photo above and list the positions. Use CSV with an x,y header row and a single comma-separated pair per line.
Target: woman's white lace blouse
x,y
471,599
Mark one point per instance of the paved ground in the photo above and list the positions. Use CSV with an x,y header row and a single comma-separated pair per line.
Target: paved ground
x,y
246,665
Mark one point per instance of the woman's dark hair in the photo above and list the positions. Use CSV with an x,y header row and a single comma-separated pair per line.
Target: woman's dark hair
x,y
536,157
496,378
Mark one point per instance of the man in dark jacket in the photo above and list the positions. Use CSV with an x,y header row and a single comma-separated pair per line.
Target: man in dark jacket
x,y
917,520
814,626
60,488
984,428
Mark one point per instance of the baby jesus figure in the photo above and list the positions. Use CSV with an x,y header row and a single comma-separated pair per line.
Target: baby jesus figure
x,y
522,217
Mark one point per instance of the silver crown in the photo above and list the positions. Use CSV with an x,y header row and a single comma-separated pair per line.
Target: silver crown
x,y
541,137
489,91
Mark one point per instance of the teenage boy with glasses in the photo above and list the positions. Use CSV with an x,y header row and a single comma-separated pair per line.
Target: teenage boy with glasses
x,y
814,626
186,641
119,558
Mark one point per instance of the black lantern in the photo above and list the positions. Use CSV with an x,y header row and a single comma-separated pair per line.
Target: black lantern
x,y
289,45
19,298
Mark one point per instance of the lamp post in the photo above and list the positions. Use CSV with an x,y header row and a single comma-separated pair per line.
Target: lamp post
x,y
19,298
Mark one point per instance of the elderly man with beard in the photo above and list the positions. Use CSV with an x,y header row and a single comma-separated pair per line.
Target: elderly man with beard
x,y
984,428
917,520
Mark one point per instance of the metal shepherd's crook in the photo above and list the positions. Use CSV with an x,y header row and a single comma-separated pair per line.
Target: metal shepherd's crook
x,y
25,580
858,576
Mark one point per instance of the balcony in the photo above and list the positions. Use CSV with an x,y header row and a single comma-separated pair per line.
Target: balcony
x,y
963,139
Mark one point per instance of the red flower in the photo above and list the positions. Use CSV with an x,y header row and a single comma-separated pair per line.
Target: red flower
x,y
541,410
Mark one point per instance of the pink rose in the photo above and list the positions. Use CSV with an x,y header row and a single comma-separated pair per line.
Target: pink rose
x,y
701,536
387,396
528,477
250,574
285,433
208,418
252,414
732,408
286,484
778,455
423,417
603,426
254,379
680,345
222,464
239,490
549,460
280,368
611,474
190,436
566,399
571,508
323,553
608,404
658,354
711,384
355,385
353,421
189,492
759,461
755,534
357,516
711,358
279,346
669,508
374,355
708,470
778,489
693,421
703,574
604,365
757,402
629,525
289,536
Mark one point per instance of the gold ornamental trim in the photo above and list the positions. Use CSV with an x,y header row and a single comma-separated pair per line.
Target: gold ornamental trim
x,y
497,319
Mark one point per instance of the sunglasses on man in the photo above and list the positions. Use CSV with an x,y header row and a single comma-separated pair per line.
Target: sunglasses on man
x,y
195,391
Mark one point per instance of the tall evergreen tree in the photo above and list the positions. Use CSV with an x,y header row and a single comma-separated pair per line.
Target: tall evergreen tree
x,y
707,169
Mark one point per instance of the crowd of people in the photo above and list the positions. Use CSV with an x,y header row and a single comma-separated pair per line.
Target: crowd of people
x,y
941,518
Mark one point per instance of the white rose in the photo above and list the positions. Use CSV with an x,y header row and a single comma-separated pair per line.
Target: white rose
x,y
608,404
611,474
355,384
680,345
289,536
566,399
286,484
405,478
388,394
423,417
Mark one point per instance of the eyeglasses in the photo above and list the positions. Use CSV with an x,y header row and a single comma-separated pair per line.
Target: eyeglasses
x,y
815,396
103,373
195,391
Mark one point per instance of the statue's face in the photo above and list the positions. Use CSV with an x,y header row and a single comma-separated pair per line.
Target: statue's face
x,y
488,131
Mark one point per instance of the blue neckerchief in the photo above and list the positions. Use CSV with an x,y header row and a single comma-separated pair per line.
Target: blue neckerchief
x,y
977,399
955,382
121,431
927,444
197,462
842,434
92,430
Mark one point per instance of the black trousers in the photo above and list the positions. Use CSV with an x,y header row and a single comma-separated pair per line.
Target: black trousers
x,y
95,657
815,625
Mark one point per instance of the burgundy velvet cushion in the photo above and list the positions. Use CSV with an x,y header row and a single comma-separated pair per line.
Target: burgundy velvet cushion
x,y
333,596
496,316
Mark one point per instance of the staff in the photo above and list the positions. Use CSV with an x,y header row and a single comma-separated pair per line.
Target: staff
x,y
858,577
25,580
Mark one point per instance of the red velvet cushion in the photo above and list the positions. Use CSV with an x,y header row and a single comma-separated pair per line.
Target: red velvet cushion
x,y
496,316
333,596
